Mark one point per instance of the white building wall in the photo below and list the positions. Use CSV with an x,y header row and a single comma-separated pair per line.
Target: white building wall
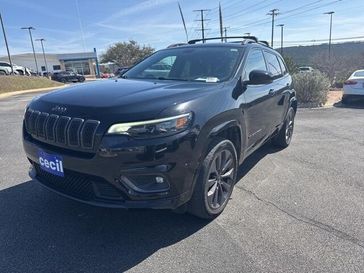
x,y
27,60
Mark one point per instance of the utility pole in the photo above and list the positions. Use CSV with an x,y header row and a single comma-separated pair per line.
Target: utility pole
x,y
225,33
6,44
330,13
221,25
273,13
281,25
202,22
44,56
31,40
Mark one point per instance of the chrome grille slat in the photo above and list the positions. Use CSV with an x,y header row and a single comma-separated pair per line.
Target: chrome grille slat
x,y
61,130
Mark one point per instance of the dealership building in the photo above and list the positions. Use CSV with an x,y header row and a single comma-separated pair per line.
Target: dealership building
x,y
84,63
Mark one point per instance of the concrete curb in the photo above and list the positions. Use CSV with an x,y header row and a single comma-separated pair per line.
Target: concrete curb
x,y
20,92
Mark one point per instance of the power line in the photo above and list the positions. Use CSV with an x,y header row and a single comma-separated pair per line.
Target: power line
x,y
201,11
266,21
325,40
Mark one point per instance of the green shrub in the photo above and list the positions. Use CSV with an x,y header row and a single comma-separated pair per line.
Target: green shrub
x,y
311,88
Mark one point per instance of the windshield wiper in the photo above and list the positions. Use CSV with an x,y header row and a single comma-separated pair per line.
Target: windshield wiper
x,y
171,79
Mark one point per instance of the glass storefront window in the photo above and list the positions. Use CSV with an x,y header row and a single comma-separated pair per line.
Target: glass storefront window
x,y
80,67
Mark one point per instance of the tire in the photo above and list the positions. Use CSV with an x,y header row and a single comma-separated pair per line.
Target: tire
x,y
284,137
2,73
63,80
216,180
345,100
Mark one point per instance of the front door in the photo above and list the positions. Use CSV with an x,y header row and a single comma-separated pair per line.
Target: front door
x,y
258,101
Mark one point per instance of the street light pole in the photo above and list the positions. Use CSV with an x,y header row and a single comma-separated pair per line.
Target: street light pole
x,y
6,44
281,25
31,40
330,13
44,56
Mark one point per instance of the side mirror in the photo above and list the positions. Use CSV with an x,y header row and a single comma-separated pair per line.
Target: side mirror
x,y
257,77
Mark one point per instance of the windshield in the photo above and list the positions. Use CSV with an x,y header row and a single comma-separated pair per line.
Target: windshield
x,y
206,64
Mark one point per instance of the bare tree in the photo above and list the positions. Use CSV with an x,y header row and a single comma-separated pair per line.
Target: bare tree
x,y
340,67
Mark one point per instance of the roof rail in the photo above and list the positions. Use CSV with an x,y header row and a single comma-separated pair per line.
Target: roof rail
x,y
250,39
265,43
176,45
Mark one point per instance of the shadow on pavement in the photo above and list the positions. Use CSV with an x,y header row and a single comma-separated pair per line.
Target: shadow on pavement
x,y
254,158
42,232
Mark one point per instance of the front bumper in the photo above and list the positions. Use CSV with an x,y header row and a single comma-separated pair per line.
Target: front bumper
x,y
103,178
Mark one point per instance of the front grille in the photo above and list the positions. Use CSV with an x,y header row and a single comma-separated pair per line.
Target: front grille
x,y
84,187
62,130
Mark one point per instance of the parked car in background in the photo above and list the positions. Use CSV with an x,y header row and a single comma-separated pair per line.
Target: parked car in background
x,y
21,70
66,76
121,70
5,69
305,69
354,86
107,75
172,141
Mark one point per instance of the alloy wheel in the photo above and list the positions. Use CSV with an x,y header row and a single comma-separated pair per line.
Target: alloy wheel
x,y
289,127
220,179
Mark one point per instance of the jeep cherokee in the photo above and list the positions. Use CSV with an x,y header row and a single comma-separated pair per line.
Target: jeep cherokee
x,y
170,134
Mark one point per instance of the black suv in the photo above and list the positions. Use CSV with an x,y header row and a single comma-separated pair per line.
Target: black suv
x,y
170,134
67,76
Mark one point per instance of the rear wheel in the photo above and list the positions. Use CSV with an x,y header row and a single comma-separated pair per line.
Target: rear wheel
x,y
216,180
284,137
345,100
2,73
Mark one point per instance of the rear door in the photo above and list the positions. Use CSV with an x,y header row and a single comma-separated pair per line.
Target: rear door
x,y
258,108
279,89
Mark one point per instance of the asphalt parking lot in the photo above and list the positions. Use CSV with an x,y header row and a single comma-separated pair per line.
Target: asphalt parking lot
x,y
296,210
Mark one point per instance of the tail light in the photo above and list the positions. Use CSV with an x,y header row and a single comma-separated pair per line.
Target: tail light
x,y
350,82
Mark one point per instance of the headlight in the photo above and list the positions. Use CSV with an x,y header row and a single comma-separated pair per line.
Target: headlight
x,y
152,128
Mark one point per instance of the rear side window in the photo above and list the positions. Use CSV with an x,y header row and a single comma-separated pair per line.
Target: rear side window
x,y
283,66
359,74
273,64
255,61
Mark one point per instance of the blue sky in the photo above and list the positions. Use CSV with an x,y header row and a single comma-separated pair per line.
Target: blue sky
x,y
81,25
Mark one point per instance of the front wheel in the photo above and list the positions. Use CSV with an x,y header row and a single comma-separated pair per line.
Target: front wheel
x,y
216,180
284,137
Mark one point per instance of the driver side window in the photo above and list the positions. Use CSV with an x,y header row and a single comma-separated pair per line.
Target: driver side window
x,y
254,61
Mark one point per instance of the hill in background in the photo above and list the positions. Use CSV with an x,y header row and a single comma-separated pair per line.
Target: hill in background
x,y
303,55
346,57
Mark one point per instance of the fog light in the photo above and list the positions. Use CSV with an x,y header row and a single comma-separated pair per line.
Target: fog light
x,y
146,183
159,179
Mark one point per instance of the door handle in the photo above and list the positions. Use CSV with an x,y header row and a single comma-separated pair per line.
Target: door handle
x,y
271,91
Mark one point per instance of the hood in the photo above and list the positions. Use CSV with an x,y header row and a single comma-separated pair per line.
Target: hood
x,y
129,99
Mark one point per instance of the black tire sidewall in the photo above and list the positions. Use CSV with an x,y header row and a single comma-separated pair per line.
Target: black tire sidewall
x,y
199,197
